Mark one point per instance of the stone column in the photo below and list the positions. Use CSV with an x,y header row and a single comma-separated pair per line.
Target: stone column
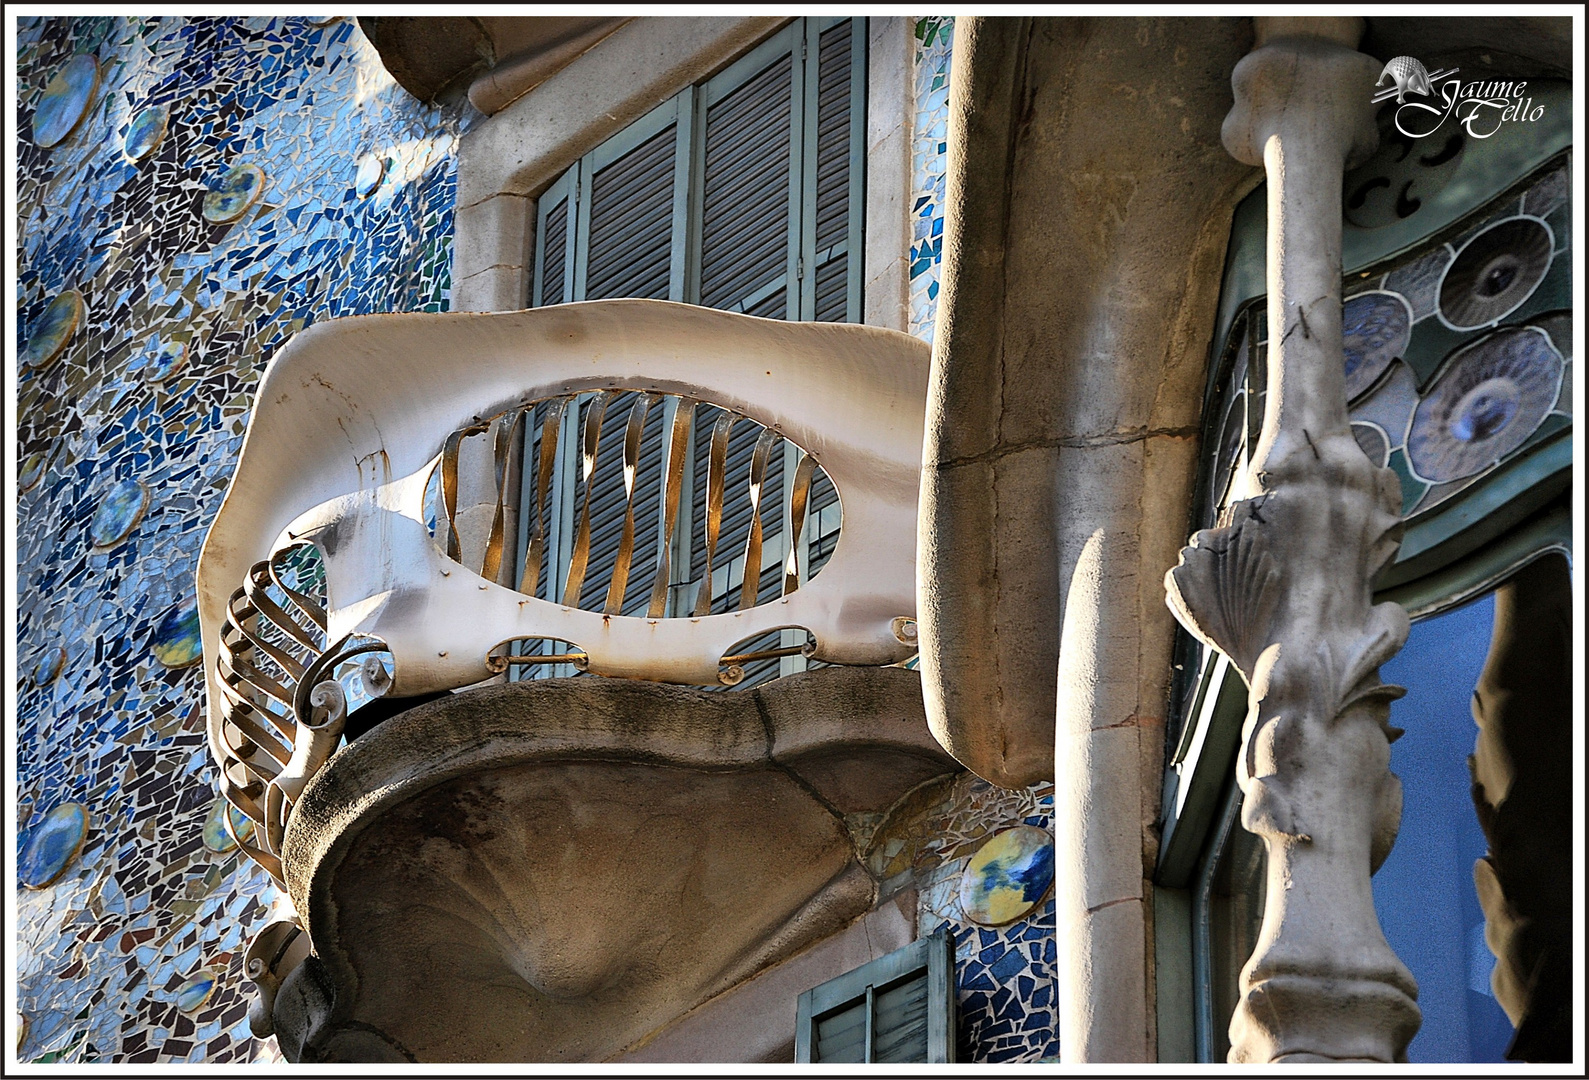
x,y
1088,209
1282,587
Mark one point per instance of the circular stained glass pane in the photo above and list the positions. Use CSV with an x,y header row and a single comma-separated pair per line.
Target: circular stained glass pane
x,y
65,100
1558,324
1375,329
54,329
216,838
146,131
1008,876
164,359
176,642
49,665
119,513
239,189
1486,402
51,845
1495,272
368,178
192,994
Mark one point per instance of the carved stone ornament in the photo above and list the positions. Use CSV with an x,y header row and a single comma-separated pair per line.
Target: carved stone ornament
x,y
1282,587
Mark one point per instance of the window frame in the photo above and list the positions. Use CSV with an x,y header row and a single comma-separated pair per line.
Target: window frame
x,y
801,40
798,43
932,955
1201,803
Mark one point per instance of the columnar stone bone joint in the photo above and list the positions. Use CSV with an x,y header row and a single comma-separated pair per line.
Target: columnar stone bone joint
x,y
1282,587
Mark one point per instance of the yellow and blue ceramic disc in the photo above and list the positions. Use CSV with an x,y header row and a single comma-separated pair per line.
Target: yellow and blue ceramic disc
x,y
1008,876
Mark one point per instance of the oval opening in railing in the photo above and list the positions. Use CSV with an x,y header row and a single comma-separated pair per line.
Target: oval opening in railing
x,y
632,503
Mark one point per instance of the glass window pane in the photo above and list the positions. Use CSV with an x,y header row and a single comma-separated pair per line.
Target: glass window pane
x,y
1424,893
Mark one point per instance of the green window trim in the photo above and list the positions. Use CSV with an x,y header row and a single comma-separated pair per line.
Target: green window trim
x,y
801,42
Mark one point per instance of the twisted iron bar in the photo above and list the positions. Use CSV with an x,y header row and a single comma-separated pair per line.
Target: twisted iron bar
x,y
282,709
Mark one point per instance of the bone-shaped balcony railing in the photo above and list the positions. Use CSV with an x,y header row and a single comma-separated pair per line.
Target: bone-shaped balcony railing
x,y
355,418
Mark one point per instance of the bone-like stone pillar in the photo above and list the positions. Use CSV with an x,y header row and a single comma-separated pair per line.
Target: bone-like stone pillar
x,y
1282,587
1088,209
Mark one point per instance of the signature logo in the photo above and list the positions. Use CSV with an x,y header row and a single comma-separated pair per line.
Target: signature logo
x,y
1480,106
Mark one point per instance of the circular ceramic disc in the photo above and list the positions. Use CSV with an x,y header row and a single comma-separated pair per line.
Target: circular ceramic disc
x,y
119,513
239,189
31,470
54,329
146,131
51,845
1008,876
176,642
368,178
192,994
65,100
164,359
48,669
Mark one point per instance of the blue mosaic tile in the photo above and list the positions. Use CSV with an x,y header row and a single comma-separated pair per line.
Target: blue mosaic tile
x,y
146,905
934,38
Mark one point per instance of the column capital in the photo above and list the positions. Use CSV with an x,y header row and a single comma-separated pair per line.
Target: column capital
x,y
1299,84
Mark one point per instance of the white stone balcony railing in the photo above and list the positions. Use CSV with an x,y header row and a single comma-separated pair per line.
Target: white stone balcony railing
x,y
373,519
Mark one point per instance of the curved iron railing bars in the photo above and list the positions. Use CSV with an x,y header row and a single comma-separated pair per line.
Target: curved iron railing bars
x,y
283,708
503,430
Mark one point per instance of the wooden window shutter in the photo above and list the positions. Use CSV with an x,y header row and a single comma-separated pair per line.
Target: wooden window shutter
x,y
832,180
745,180
630,245
743,193
898,1008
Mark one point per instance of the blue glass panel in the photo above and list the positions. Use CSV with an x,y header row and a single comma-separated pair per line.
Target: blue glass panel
x,y
1424,893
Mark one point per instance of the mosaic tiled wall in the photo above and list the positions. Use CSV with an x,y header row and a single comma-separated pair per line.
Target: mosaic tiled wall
x,y
934,36
126,440
1004,975
134,952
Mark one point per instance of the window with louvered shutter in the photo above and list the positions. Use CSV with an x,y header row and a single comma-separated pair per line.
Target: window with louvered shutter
x,y
898,1008
742,193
